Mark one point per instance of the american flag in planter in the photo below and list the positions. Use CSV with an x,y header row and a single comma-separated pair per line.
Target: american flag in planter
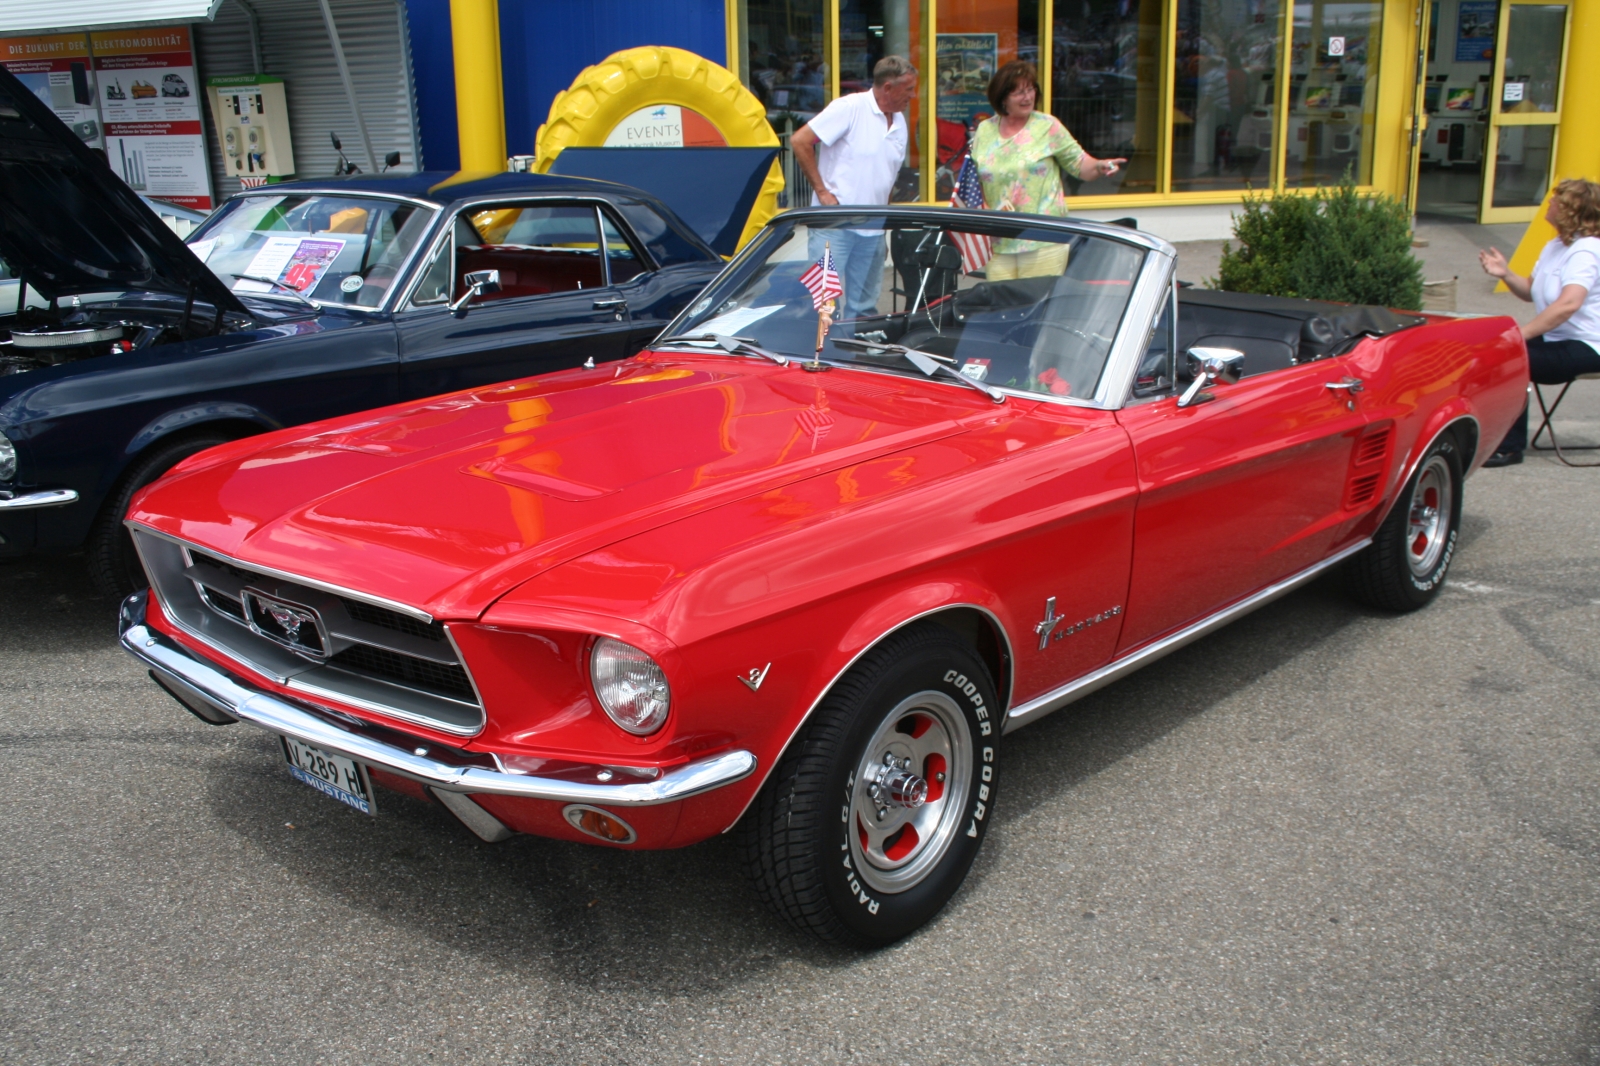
x,y
975,248
823,280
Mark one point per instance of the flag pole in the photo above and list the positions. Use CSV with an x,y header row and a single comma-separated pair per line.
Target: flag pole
x,y
824,318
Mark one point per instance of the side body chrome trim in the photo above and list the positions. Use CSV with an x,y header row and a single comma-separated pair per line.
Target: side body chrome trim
x,y
834,680
34,500
258,708
1058,698
1416,460
326,586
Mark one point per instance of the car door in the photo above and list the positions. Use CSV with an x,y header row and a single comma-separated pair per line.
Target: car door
x,y
555,307
1237,492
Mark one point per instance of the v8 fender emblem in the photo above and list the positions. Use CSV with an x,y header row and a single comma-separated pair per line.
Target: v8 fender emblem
x,y
755,677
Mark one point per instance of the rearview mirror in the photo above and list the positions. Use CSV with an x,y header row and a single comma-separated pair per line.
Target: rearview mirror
x,y
1208,366
479,283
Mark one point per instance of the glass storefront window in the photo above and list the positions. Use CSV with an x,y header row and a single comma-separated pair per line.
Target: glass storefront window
x,y
1224,96
1533,58
1333,92
784,59
1522,166
1190,92
868,31
1106,86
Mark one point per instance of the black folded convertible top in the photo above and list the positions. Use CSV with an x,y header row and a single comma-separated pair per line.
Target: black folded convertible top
x,y
1319,327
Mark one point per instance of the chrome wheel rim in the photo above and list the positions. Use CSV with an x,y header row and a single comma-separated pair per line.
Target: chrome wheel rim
x,y
1428,521
907,793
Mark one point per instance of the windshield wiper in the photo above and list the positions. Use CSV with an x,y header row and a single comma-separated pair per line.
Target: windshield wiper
x,y
290,289
927,362
734,345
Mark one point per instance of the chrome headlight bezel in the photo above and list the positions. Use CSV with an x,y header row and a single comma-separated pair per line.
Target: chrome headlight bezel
x,y
8,459
630,685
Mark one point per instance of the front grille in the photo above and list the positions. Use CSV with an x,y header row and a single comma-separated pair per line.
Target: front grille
x,y
223,603
387,619
443,679
381,658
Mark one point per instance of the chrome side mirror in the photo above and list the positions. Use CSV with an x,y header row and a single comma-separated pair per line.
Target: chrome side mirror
x,y
1209,366
479,283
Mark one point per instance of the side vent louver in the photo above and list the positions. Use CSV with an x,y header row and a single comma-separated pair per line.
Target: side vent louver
x,y
1367,466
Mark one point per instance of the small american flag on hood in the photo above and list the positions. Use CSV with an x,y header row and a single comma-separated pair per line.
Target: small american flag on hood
x,y
975,248
823,280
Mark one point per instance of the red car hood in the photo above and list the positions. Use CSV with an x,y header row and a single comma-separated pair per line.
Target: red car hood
x,y
449,503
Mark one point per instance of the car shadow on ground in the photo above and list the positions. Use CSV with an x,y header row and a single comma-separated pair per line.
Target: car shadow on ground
x,y
685,921
592,919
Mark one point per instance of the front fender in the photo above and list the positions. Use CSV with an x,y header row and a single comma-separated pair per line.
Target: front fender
x,y
197,414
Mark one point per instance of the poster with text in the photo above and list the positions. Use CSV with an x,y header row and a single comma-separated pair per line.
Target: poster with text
x,y
966,62
57,69
150,101
1476,23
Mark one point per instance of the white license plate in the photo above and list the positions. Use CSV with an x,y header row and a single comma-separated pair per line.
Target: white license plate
x,y
333,775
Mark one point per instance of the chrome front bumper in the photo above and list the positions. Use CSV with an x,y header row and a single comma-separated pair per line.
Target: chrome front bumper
x,y
197,678
34,500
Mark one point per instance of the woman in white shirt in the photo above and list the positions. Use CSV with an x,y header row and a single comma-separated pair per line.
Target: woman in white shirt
x,y
1564,337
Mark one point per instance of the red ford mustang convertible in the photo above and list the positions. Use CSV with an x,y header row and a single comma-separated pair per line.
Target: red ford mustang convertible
x,y
795,573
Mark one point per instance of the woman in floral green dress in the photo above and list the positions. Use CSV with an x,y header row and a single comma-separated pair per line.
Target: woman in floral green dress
x,y
1020,154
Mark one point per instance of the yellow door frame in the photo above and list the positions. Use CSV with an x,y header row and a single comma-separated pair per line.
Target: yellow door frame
x,y
1487,212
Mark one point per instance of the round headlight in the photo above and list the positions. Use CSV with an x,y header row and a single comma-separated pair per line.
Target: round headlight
x,y
631,686
8,459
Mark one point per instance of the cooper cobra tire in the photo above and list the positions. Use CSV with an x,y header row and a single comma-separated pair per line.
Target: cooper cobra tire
x,y
1409,558
603,95
836,841
113,564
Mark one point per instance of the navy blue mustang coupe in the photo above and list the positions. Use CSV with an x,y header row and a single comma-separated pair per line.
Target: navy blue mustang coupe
x,y
123,351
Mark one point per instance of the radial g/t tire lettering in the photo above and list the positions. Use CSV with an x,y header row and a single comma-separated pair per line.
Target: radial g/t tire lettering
x,y
1409,557
875,813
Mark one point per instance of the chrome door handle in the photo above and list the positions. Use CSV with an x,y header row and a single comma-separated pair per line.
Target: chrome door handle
x,y
610,305
1353,384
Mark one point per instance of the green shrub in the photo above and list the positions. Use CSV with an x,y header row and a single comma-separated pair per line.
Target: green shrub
x,y
1343,248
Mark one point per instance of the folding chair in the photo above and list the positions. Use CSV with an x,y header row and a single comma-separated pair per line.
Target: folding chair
x,y
1546,426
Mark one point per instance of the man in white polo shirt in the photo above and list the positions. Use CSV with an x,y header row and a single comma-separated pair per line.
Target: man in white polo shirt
x,y
862,139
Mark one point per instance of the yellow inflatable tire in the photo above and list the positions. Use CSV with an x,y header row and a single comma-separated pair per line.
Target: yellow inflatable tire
x,y
604,95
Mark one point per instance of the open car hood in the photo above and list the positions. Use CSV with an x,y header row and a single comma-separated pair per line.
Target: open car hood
x,y
70,226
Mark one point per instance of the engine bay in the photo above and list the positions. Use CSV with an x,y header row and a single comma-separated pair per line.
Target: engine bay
x,y
41,337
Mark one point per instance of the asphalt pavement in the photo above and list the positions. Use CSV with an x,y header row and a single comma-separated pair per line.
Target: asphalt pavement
x,y
1322,835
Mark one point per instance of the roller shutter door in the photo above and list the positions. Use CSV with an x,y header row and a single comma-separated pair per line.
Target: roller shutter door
x,y
295,46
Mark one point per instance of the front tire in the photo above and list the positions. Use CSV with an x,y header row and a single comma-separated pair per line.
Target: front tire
x,y
873,816
1405,566
113,563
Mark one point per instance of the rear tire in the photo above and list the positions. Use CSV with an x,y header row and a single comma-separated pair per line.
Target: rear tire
x,y
1409,557
113,564
873,816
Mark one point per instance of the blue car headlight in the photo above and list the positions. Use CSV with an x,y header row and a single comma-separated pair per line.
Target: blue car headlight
x,y
8,459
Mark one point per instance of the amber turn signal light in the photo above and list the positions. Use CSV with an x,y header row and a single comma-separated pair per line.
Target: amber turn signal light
x,y
602,825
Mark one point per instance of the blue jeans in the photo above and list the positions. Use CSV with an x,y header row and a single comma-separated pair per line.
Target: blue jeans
x,y
859,260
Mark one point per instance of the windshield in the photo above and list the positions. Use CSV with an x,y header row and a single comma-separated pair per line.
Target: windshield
x,y
1006,303
332,249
